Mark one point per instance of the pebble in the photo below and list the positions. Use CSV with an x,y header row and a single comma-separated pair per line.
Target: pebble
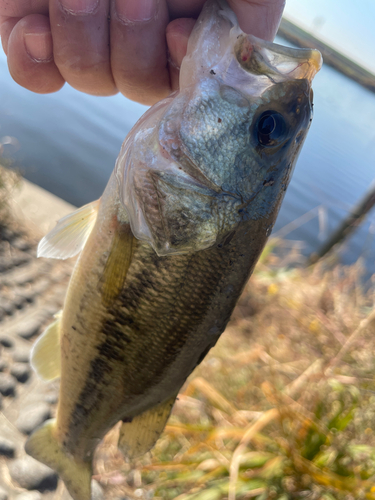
x,y
19,301
3,365
7,447
21,354
6,341
32,475
3,494
32,416
41,286
6,305
21,244
28,328
96,491
20,371
29,495
51,398
7,384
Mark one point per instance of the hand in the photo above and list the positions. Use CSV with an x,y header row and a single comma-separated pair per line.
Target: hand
x,y
104,46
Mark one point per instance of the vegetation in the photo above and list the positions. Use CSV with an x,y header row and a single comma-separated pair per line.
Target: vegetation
x,y
282,408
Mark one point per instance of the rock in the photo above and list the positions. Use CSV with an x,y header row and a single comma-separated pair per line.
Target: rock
x,y
96,491
6,305
7,447
32,416
51,398
7,384
20,371
28,328
19,301
6,341
29,495
3,365
21,354
3,494
21,244
32,475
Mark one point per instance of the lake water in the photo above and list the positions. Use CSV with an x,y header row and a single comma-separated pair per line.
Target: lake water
x,y
68,143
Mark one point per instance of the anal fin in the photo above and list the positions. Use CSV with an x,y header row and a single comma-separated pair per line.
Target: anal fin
x,y
46,353
140,435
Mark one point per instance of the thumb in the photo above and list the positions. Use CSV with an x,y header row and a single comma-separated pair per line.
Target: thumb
x,y
260,18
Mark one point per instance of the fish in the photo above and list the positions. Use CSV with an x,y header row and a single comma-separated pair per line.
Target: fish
x,y
166,251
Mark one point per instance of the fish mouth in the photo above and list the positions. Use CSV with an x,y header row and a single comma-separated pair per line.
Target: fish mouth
x,y
278,63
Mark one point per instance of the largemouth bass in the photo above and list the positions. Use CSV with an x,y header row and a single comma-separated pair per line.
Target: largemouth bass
x,y
167,250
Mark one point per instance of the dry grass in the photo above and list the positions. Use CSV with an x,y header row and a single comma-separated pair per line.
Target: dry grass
x,y
282,408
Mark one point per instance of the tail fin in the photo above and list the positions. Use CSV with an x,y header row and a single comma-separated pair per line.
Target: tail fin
x,y
76,474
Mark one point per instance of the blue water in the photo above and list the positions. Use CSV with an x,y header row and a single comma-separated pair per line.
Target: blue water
x,y
68,143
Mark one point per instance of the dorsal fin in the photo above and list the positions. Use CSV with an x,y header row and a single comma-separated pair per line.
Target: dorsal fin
x,y
69,236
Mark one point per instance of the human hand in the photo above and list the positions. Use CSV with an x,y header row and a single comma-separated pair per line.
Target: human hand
x,y
104,46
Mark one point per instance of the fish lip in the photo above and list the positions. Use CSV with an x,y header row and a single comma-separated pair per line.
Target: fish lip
x,y
275,61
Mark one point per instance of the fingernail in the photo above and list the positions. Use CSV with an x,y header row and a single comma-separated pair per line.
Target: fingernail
x,y
79,6
136,10
39,46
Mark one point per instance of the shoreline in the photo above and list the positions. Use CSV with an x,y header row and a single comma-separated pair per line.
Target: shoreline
x,y
301,38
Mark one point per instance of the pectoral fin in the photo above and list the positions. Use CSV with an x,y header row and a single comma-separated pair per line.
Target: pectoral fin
x,y
46,355
69,236
140,435
117,265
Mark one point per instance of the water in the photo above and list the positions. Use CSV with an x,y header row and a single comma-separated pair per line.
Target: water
x,y
68,142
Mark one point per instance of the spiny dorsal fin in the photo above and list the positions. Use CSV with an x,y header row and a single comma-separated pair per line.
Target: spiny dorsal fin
x,y
69,236
140,435
46,354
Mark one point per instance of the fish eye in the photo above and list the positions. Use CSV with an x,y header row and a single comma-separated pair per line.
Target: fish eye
x,y
271,128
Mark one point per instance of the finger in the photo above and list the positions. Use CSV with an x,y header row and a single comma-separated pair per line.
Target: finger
x,y
138,49
259,17
6,26
30,55
21,8
81,44
177,33
182,8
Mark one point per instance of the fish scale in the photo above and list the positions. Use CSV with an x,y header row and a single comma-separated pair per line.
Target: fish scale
x,y
166,251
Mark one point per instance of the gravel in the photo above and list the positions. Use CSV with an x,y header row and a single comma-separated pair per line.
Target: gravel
x,y
3,494
7,447
28,328
32,475
6,341
29,495
32,416
96,491
20,371
7,384
21,354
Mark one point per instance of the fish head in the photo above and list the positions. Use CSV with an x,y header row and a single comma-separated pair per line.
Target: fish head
x,y
249,109
220,151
